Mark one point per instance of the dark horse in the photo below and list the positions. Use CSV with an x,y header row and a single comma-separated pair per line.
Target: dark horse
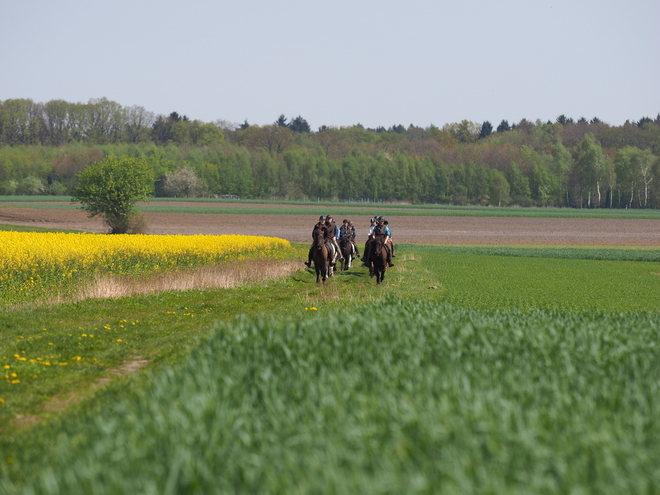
x,y
320,256
346,246
378,260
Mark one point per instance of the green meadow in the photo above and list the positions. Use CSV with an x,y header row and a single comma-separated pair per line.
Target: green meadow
x,y
470,370
339,208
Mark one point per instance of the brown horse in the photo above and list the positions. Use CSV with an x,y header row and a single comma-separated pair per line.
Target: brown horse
x,y
378,260
320,256
346,247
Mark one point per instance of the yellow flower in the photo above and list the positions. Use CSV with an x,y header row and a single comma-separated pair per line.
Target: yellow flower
x,y
2,401
7,367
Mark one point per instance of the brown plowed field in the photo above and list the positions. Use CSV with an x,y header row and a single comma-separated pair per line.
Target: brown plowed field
x,y
419,230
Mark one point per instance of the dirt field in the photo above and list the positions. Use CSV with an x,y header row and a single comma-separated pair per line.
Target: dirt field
x,y
418,230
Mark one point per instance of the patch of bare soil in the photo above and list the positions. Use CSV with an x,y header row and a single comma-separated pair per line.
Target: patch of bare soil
x,y
416,230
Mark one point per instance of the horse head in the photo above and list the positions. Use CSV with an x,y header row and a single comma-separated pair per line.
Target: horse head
x,y
318,238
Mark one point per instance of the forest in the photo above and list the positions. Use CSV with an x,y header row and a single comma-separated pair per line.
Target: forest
x,y
581,163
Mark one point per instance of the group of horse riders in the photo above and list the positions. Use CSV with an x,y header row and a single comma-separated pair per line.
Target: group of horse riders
x,y
378,229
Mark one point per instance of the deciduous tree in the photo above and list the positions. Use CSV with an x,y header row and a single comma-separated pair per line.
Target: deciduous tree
x,y
588,168
183,183
111,188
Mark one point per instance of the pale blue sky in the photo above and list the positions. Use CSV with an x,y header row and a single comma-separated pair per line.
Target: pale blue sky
x,y
340,62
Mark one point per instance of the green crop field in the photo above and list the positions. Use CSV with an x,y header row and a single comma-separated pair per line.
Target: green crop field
x,y
223,206
470,370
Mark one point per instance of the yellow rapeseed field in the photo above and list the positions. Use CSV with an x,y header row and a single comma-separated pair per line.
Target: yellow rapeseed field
x,y
34,262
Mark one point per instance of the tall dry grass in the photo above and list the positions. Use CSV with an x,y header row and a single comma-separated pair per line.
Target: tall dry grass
x,y
225,275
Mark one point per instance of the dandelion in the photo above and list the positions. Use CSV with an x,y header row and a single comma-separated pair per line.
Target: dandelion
x,y
118,340
2,401
7,367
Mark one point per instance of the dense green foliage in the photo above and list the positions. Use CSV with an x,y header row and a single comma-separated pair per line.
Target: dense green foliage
x,y
566,163
111,188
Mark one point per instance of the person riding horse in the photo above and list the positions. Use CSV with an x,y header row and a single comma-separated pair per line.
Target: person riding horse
x,y
332,237
378,231
330,233
370,236
347,232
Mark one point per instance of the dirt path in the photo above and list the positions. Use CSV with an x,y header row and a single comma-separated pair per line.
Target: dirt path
x,y
418,230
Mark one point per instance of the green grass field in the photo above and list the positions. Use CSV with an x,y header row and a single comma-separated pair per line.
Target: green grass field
x,y
342,208
470,370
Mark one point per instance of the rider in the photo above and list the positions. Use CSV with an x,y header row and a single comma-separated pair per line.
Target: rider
x,y
343,230
332,236
370,238
381,231
347,231
351,236
319,225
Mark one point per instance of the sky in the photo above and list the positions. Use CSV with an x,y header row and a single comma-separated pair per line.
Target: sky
x,y
340,62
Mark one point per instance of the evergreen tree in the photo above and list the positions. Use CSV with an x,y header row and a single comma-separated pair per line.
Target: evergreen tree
x,y
504,126
281,121
299,125
486,130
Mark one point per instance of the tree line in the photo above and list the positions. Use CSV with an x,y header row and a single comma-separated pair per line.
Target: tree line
x,y
567,163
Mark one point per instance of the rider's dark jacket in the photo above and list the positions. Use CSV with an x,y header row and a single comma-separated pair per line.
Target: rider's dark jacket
x,y
330,231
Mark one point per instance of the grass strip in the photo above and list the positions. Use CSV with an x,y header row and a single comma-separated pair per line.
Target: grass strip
x,y
573,253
